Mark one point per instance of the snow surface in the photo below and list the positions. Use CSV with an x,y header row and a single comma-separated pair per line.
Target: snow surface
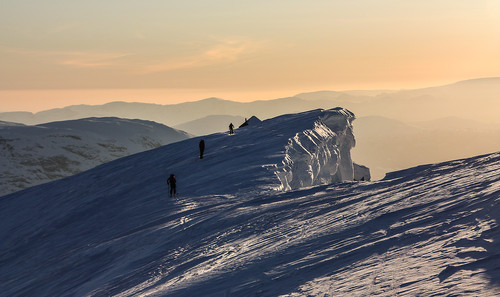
x,y
113,231
31,155
320,155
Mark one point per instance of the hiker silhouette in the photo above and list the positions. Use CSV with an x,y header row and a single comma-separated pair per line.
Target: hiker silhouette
x,y
245,123
172,182
202,148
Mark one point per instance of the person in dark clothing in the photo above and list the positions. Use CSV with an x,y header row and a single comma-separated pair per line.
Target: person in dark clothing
x,y
202,148
245,123
172,182
231,126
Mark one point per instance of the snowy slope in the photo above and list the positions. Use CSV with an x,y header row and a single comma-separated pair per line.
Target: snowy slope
x,y
112,231
31,155
444,108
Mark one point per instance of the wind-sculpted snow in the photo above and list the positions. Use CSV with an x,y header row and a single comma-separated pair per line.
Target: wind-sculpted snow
x,y
320,155
113,231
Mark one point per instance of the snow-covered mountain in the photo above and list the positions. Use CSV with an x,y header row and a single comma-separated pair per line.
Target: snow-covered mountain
x,y
31,155
232,231
440,108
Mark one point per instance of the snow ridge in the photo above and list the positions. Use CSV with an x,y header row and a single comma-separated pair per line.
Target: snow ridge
x,y
114,231
321,155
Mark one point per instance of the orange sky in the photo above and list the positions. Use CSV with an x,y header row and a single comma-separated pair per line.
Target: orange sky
x,y
56,53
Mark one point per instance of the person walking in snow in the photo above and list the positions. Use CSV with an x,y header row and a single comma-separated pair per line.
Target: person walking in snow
x,y
245,123
231,126
202,148
171,181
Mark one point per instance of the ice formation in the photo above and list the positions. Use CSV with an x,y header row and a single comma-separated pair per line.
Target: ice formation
x,y
321,155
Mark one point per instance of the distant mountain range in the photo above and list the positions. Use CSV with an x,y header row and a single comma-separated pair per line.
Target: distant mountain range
x,y
387,145
394,130
477,99
210,124
31,155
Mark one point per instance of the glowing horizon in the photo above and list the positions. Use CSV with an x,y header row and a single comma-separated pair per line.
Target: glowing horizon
x,y
236,51
44,99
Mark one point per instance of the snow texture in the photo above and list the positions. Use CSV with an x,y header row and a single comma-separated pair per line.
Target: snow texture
x,y
320,155
431,230
31,155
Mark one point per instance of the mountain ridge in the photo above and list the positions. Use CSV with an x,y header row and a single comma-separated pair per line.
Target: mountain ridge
x,y
113,231
428,103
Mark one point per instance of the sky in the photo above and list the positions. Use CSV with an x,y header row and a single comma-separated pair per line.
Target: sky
x,y
55,53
